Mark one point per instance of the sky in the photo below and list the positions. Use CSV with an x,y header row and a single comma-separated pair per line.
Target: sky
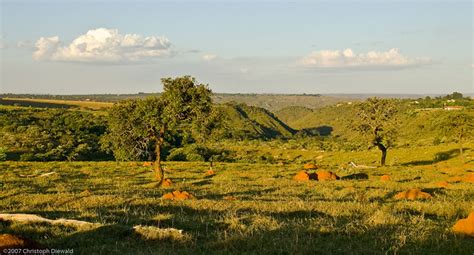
x,y
384,46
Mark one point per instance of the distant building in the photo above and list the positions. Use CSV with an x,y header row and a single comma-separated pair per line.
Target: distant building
x,y
451,100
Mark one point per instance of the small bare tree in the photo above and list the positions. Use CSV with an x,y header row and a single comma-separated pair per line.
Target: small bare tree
x,y
377,122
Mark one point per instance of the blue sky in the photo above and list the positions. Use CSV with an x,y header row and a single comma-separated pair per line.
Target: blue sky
x,y
72,47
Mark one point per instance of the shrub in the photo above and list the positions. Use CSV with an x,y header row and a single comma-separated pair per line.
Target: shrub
x,y
3,153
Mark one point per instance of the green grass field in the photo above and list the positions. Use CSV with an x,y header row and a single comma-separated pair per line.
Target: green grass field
x,y
268,213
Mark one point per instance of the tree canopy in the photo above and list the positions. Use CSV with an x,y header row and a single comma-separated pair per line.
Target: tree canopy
x,y
458,127
140,128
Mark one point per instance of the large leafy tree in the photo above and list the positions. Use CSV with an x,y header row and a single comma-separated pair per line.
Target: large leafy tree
x,y
140,128
377,122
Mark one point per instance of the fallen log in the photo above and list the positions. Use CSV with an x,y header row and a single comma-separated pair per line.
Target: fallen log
x,y
360,166
35,175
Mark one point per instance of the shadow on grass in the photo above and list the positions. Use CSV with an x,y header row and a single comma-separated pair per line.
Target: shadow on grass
x,y
357,176
440,156
295,232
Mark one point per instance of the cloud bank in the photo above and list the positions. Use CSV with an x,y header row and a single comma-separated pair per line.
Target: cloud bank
x,y
103,45
348,59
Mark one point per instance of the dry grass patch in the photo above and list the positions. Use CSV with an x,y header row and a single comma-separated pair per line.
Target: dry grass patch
x,y
412,194
310,166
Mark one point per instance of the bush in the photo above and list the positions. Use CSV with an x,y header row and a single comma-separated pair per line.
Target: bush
x,y
196,152
28,157
3,154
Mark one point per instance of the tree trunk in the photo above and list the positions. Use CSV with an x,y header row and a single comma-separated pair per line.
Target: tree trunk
x,y
461,153
159,173
384,153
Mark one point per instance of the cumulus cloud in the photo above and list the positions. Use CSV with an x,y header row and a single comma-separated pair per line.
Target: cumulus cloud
x,y
46,47
103,45
209,57
348,59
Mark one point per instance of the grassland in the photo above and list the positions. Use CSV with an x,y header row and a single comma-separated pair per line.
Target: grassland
x,y
271,213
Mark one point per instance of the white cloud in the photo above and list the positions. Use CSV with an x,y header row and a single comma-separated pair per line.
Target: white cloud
x,y
348,59
46,47
103,45
209,57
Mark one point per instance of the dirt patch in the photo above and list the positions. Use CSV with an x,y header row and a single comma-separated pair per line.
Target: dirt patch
x,y
8,241
412,194
385,178
468,178
230,198
167,183
309,166
147,163
324,175
177,195
443,184
455,179
465,226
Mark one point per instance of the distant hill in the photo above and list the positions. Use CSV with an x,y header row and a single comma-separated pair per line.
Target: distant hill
x,y
293,114
275,102
242,121
272,102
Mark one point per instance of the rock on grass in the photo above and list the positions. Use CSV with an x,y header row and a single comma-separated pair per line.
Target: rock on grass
x,y
178,195
465,226
412,194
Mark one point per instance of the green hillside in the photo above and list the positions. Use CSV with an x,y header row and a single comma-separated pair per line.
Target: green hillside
x,y
242,121
418,126
293,114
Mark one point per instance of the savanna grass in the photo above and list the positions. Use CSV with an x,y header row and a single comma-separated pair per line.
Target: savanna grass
x,y
269,213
